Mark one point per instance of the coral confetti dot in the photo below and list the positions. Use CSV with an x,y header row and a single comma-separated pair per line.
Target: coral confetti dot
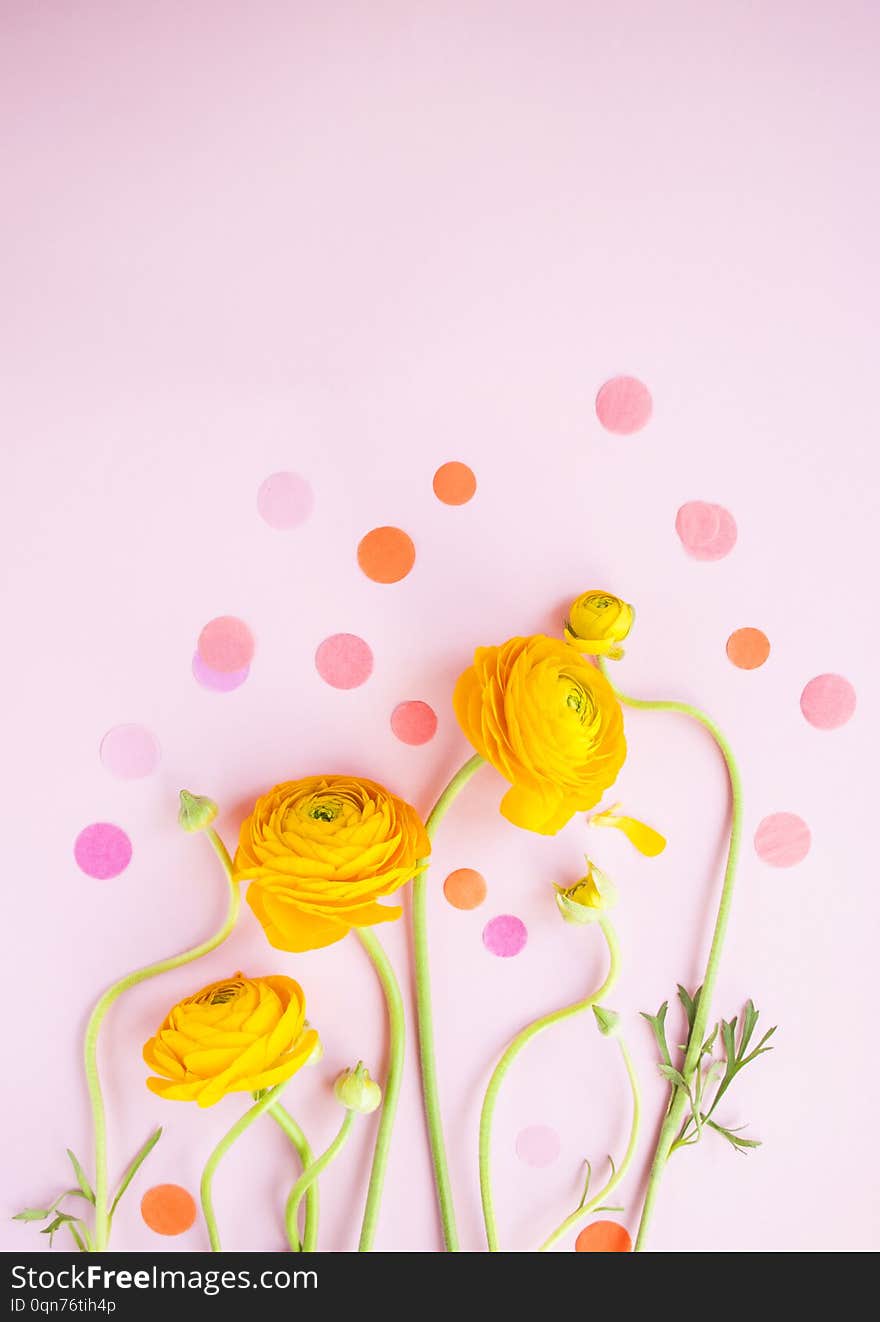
x,y
168,1209
828,702
782,840
624,405
748,648
465,888
414,722
603,1237
344,661
454,483
226,644
386,555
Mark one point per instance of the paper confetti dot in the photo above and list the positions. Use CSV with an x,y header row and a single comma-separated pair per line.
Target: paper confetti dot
x,y
414,722
285,500
226,644
219,681
828,702
624,405
129,752
782,839
102,850
454,483
707,532
168,1209
386,555
538,1145
344,661
465,889
603,1237
505,935
748,648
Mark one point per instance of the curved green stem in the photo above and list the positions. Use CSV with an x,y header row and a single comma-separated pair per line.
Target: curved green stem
x,y
310,1175
425,1014
521,1040
102,1214
266,1102
391,1090
286,1122
679,1101
616,1175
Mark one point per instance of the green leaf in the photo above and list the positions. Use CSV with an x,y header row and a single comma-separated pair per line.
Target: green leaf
x,y
709,1043
674,1076
760,1048
732,1135
749,1019
134,1166
81,1178
587,1183
688,1005
658,1028
32,1214
606,1208
77,1238
728,1037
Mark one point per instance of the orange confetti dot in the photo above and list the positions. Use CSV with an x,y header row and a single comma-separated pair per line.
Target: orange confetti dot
x,y
454,483
748,648
168,1209
603,1237
465,888
386,555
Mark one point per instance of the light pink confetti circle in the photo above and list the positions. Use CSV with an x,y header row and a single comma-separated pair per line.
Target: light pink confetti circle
x,y
707,532
226,644
218,681
344,661
414,722
538,1145
624,405
129,752
828,701
505,935
285,500
782,840
102,851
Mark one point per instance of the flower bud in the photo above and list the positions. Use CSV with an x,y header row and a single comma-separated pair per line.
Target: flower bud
x,y
607,1021
196,812
588,899
598,623
357,1091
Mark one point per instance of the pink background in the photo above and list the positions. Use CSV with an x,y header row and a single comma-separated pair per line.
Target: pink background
x,y
355,242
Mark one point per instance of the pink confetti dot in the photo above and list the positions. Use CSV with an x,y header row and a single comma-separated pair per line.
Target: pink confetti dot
x,y
226,644
828,701
624,405
285,500
129,752
102,850
505,935
344,661
218,681
782,840
707,532
414,722
538,1145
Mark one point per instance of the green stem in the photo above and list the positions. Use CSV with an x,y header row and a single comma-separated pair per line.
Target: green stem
x,y
266,1102
521,1040
310,1175
99,1120
391,1089
285,1121
617,1175
425,1014
679,1101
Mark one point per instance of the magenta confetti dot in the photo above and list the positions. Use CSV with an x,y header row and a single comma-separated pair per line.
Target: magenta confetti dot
x,y
828,701
414,722
226,644
102,850
285,500
707,532
624,405
538,1145
129,752
505,935
218,681
782,840
344,661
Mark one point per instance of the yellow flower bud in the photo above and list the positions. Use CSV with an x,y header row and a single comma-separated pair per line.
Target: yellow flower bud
x,y
196,812
357,1091
588,899
598,623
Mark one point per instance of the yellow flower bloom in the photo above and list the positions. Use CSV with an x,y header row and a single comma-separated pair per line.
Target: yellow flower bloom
x,y
597,623
320,852
546,719
239,1035
588,899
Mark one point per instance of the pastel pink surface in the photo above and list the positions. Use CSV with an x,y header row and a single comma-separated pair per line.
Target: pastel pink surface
x,y
344,661
226,644
414,722
130,752
285,500
782,840
828,701
219,681
102,850
505,935
538,1145
624,405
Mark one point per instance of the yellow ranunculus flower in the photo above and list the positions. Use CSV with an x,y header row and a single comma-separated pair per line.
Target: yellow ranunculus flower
x,y
240,1035
546,719
598,623
588,899
320,852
